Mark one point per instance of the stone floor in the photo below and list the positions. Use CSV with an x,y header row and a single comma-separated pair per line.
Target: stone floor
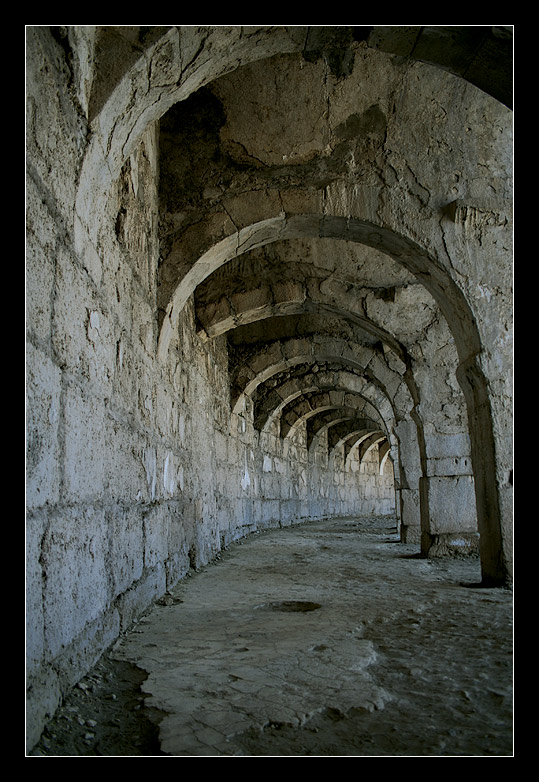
x,y
323,639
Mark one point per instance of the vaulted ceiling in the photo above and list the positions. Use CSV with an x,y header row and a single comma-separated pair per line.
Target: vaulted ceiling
x,y
304,312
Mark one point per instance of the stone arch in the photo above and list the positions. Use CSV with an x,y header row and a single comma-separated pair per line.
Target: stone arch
x,y
159,81
370,442
270,400
481,55
159,69
384,455
415,259
344,431
260,363
248,296
453,306
271,369
319,416
320,412
350,445
353,432
343,426
301,408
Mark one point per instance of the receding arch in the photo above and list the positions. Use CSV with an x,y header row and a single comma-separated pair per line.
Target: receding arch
x,y
453,306
319,416
272,369
351,433
436,279
384,453
369,443
157,88
271,400
260,361
263,359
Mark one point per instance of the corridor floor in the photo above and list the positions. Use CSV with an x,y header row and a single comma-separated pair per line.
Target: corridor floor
x,y
323,639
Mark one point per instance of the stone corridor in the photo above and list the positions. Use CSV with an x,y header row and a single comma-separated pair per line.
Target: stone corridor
x,y
324,639
269,287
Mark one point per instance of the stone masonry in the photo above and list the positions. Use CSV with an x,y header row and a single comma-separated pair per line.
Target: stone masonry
x,y
268,281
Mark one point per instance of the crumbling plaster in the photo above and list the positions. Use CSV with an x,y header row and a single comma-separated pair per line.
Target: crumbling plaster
x,y
202,204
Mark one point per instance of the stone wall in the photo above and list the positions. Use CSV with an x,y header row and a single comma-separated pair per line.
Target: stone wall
x,y
136,472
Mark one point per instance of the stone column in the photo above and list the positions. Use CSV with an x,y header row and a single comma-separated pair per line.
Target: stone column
x,y
448,498
407,482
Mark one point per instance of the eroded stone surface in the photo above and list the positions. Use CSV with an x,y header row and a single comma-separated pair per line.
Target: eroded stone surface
x,y
231,232
396,656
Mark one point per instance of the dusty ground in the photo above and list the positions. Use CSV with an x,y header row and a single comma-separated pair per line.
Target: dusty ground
x,y
327,639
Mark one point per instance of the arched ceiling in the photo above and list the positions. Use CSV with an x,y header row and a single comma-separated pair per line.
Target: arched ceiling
x,y
480,54
388,138
246,163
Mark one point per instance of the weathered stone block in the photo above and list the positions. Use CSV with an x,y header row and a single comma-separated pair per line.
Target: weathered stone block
x,y
410,509
35,643
44,416
76,590
126,548
155,535
451,504
87,440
